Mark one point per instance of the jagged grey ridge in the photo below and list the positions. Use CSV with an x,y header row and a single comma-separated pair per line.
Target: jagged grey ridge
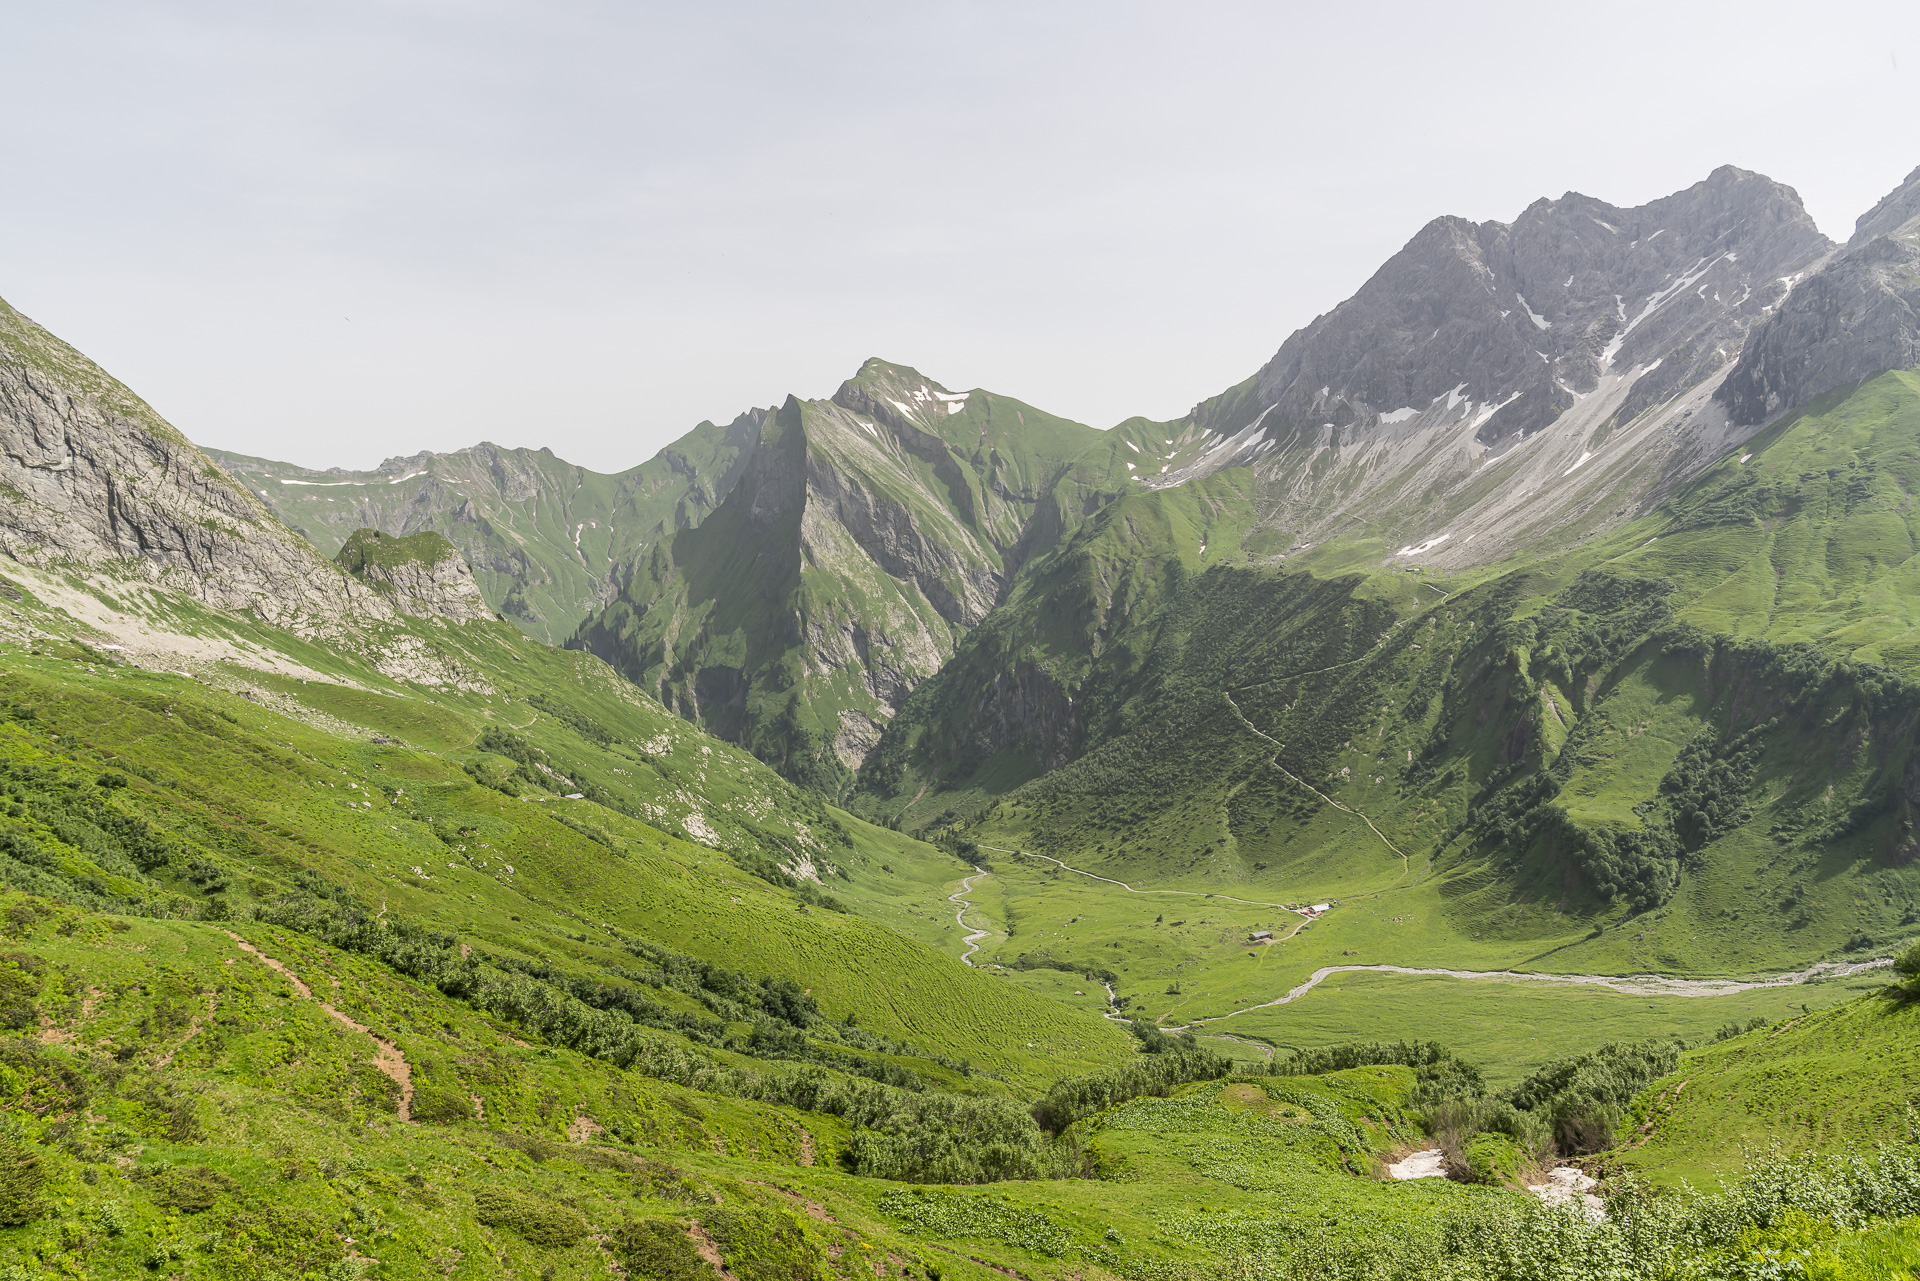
x,y
1857,316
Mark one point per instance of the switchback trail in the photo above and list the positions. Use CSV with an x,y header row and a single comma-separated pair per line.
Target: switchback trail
x,y
390,1061
1406,864
972,940
1631,984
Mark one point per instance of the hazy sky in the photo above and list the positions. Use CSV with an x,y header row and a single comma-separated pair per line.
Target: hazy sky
x,y
331,233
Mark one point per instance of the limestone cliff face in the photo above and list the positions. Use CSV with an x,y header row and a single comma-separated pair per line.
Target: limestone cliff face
x,y
91,478
422,574
1857,316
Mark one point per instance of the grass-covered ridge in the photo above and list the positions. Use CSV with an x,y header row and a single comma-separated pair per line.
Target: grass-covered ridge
x,y
1823,1081
370,549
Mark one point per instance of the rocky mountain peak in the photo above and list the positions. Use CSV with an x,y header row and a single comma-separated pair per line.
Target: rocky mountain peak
x,y
900,396
1857,314
1571,338
1509,323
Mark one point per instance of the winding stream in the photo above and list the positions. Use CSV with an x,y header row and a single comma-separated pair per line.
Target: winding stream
x,y
1632,984
972,940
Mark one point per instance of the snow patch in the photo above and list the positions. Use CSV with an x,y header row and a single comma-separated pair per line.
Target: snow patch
x,y
1566,1185
1539,321
1425,547
1431,1164
1609,226
1393,416
1584,456
1743,459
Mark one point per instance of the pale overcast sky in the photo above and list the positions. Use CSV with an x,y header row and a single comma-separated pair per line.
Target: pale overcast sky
x,y
334,232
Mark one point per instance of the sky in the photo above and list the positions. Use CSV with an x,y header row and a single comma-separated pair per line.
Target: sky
x,y
335,233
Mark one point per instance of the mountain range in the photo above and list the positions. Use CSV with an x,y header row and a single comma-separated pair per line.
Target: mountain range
x,y
709,870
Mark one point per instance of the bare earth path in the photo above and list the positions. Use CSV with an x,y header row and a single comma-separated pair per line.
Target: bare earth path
x,y
389,1060
972,940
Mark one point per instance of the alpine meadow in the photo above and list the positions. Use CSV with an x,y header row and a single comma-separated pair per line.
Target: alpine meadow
x,y
852,844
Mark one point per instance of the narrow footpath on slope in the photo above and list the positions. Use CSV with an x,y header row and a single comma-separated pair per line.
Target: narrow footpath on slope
x,y
389,1060
1406,864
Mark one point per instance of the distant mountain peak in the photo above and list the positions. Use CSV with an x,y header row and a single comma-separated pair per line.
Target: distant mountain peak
x,y
1565,342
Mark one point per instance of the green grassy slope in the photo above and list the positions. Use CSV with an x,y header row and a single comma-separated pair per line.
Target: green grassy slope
x,y
266,780
1825,1081
542,535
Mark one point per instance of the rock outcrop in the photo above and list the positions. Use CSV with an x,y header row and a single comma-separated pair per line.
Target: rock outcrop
x,y
1857,316
421,574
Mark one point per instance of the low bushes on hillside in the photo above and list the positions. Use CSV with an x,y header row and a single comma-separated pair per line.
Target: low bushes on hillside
x,y
1153,1075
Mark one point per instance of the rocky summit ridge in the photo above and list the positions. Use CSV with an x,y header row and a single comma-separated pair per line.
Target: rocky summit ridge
x,y
1496,384
1857,315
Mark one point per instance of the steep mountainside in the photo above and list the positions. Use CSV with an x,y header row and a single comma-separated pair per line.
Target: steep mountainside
x,y
1701,715
91,479
1496,387
865,536
1704,724
545,538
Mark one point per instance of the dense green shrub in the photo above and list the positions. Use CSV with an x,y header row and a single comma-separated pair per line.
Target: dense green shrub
x,y
658,1250
190,1190
273,1241
433,1106
1076,1097
1492,1158
765,1245
534,1219
21,1176
1583,1098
